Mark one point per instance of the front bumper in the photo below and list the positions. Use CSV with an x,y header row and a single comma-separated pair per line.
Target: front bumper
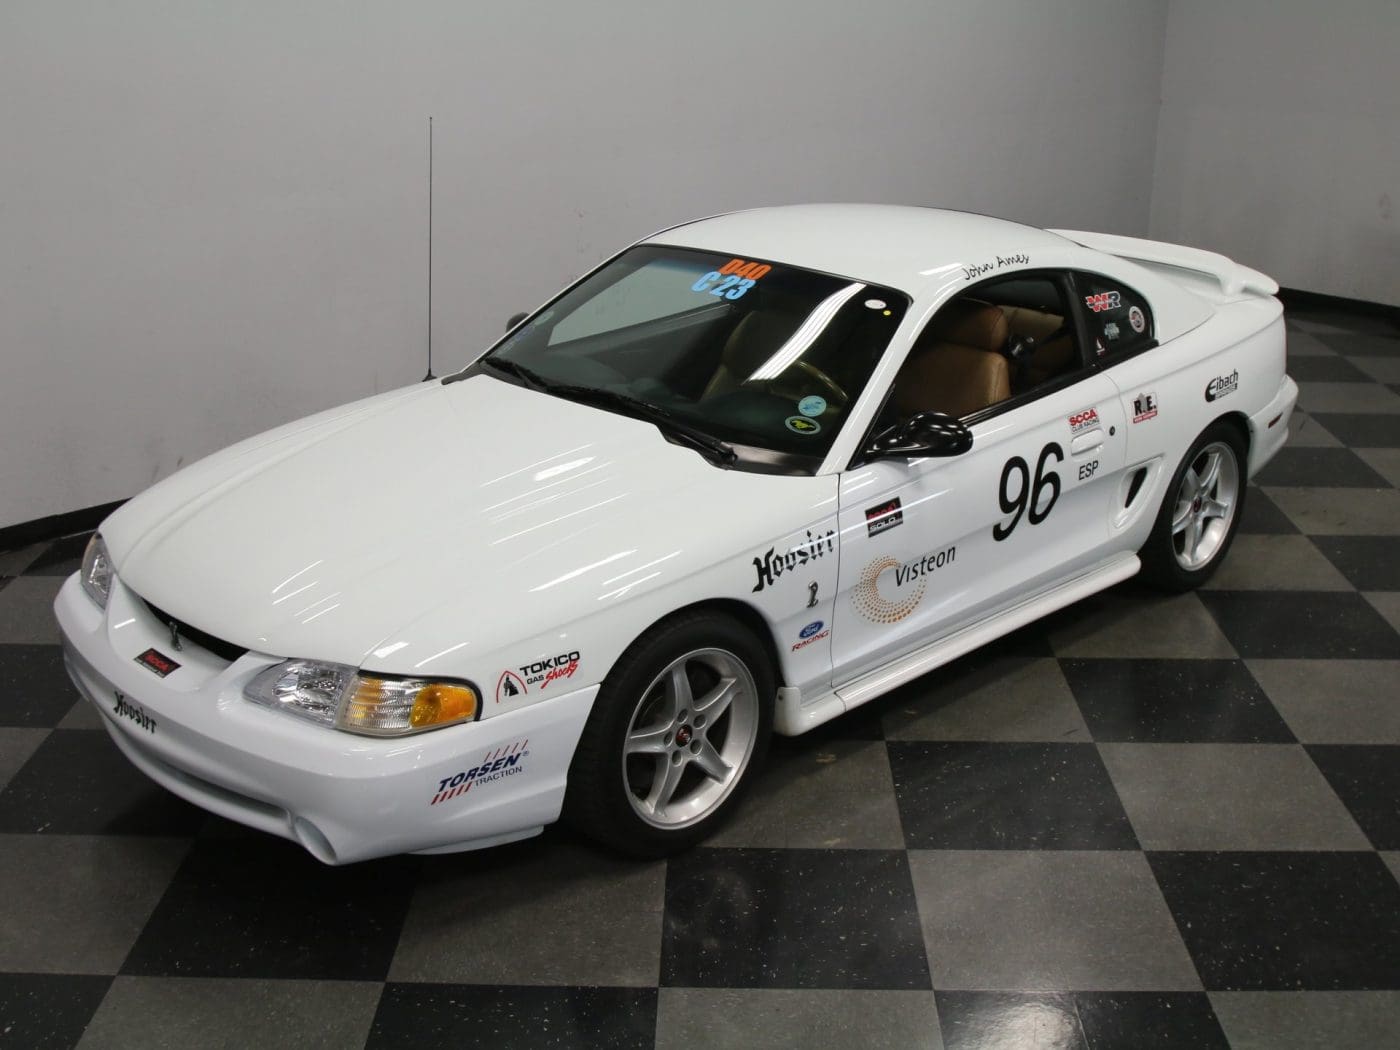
x,y
344,797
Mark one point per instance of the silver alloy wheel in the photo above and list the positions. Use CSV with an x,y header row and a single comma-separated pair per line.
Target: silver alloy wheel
x,y
1205,505
690,738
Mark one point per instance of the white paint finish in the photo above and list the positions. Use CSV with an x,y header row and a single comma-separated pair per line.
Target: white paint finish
x,y
214,217
1279,140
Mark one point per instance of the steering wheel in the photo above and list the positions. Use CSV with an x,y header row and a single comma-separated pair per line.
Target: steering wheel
x,y
837,395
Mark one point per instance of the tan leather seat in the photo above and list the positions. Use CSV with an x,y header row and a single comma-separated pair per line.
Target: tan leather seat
x,y
1048,359
754,340
957,366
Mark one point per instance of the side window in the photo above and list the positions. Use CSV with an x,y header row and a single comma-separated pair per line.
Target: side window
x,y
995,341
1118,317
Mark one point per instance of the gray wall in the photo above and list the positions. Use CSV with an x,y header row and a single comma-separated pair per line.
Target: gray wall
x,y
1279,140
212,215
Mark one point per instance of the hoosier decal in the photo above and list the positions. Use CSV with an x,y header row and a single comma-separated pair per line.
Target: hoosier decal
x,y
772,565
124,708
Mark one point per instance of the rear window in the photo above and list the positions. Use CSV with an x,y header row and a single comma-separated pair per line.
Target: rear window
x,y
1118,318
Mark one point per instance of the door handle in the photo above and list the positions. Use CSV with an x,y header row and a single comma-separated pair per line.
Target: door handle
x,y
1086,442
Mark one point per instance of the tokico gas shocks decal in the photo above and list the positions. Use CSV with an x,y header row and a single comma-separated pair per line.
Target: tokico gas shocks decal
x,y
496,764
550,669
889,591
773,565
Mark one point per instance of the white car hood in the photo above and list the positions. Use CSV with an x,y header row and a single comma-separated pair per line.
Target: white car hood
x,y
325,537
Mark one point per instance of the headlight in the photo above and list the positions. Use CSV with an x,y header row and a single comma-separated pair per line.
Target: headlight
x,y
340,696
96,573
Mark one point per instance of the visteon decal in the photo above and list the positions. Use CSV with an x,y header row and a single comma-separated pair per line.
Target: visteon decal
x,y
889,590
772,565
1222,386
496,764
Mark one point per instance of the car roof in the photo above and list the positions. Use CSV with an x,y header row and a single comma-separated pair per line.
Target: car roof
x,y
901,247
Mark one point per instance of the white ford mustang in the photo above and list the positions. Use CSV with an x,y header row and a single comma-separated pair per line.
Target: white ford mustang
x,y
750,473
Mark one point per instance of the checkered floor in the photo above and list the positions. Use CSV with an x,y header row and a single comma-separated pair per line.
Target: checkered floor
x,y
1145,822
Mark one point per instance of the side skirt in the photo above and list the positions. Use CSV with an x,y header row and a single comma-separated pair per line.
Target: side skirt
x,y
793,716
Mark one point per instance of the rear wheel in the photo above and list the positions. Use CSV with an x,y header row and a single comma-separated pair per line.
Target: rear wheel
x,y
1200,513
679,726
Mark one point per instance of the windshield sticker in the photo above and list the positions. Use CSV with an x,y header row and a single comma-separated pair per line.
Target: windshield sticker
x,y
802,425
732,279
812,405
1111,330
813,632
1103,301
770,567
884,517
1144,407
1136,319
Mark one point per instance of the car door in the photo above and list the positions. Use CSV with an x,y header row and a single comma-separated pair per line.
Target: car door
x,y
930,545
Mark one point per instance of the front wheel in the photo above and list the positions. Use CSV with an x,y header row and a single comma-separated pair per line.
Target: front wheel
x,y
676,731
1199,516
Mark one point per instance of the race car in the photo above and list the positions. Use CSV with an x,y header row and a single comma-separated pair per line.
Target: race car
x,y
748,474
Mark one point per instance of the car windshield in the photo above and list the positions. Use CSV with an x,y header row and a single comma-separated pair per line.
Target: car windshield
x,y
760,361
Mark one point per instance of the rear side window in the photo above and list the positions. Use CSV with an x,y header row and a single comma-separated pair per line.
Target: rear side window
x,y
1118,318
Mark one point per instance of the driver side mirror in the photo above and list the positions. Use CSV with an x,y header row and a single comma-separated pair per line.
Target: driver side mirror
x,y
927,434
516,319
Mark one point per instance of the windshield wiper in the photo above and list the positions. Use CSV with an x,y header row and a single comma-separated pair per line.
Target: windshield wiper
x,y
719,451
528,376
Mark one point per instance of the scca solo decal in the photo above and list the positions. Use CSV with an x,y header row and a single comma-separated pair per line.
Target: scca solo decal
x,y
157,663
884,517
497,764
772,565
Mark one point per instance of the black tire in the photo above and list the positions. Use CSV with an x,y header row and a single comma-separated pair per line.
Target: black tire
x,y
1169,558
614,796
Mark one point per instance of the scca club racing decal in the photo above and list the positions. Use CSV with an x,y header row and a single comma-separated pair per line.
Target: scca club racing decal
x,y
124,708
1103,301
812,633
772,565
882,518
1222,386
550,669
1144,407
889,590
1082,421
497,764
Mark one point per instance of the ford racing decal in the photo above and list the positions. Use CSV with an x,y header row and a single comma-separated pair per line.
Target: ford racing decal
x,y
496,765
813,632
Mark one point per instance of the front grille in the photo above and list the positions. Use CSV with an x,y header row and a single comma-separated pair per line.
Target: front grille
x,y
220,648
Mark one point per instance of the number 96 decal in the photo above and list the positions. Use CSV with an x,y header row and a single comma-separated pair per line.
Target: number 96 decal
x,y
1028,495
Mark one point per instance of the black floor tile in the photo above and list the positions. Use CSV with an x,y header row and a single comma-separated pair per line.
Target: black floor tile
x,y
955,795
1363,429
1295,625
768,918
451,1016
1285,921
1149,1021
78,783
264,908
34,687
43,1011
1370,563
982,1020
62,558
1367,779
1323,467
1262,516
1370,338
1173,701
1314,369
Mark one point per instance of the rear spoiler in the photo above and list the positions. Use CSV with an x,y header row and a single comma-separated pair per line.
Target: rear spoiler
x,y
1234,279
